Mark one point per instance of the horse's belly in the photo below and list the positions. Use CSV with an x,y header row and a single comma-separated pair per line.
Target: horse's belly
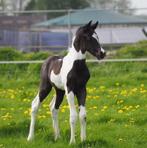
x,y
57,80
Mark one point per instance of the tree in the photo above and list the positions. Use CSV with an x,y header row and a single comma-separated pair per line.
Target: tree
x,y
56,4
121,5
102,4
2,5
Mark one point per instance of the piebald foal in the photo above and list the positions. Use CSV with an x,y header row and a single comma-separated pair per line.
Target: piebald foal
x,y
68,75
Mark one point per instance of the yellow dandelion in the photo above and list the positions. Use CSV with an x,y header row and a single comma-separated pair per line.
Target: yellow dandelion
x,y
48,112
121,101
62,110
45,105
134,90
12,109
105,107
123,92
102,110
26,112
43,116
112,120
115,96
117,84
39,116
126,125
12,96
120,111
137,106
2,109
65,107
94,107
102,87
130,106
66,121
143,91
120,139
97,97
1,145
88,97
24,100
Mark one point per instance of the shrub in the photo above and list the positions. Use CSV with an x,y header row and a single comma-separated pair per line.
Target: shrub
x,y
137,50
9,54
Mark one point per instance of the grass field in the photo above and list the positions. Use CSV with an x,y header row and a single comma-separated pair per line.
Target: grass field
x,y
116,108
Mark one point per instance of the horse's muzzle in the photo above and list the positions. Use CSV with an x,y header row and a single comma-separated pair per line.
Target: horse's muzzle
x,y
101,55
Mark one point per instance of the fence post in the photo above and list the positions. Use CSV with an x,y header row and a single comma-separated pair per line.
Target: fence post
x,y
69,29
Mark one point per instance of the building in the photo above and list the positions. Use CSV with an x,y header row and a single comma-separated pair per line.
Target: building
x,y
114,28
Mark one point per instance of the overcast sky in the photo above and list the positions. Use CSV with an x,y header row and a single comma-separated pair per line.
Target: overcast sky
x,y
140,4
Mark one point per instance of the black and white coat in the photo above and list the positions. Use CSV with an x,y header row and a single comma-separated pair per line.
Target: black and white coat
x,y
68,75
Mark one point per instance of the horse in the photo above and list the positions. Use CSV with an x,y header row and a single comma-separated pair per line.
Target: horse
x,y
68,75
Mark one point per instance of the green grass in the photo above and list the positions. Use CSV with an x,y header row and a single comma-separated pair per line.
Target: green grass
x,y
116,107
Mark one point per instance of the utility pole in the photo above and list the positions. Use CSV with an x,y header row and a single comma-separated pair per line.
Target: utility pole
x,y
2,7
20,5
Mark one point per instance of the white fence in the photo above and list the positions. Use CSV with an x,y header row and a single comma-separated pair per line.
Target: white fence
x,y
88,61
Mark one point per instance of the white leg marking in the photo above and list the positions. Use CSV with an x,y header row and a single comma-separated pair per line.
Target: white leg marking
x,y
73,115
55,118
82,117
35,107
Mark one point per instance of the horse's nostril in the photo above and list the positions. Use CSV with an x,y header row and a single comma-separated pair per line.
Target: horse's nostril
x,y
102,55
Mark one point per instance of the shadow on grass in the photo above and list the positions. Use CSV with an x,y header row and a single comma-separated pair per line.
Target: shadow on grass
x,y
94,143
14,129
17,129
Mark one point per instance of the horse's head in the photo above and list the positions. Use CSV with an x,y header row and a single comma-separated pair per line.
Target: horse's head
x,y
86,39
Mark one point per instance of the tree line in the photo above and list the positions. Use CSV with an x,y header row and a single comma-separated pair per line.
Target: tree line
x,y
122,5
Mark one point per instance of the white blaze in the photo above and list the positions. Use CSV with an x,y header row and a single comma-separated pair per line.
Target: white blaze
x,y
96,37
102,50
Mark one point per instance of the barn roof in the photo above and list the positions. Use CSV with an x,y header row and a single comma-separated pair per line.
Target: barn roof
x,y
105,17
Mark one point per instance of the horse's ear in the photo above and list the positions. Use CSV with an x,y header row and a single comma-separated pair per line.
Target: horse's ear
x,y
94,26
88,25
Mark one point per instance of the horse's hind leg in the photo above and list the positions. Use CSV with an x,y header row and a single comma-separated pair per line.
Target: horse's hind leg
x,y
45,88
54,106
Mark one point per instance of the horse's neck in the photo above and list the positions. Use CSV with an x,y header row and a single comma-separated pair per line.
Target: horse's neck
x,y
75,55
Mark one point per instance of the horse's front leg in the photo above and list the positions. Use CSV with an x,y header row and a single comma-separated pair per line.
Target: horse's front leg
x,y
73,115
81,96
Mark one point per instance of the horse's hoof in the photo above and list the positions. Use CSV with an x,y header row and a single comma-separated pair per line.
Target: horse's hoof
x,y
30,138
83,139
72,142
57,137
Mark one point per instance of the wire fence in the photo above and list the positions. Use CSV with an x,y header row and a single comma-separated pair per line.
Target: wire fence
x,y
53,29
88,61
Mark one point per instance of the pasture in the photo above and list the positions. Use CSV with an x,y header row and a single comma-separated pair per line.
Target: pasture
x,y
116,105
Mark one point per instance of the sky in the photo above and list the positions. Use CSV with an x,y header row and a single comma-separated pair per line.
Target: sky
x,y
140,4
